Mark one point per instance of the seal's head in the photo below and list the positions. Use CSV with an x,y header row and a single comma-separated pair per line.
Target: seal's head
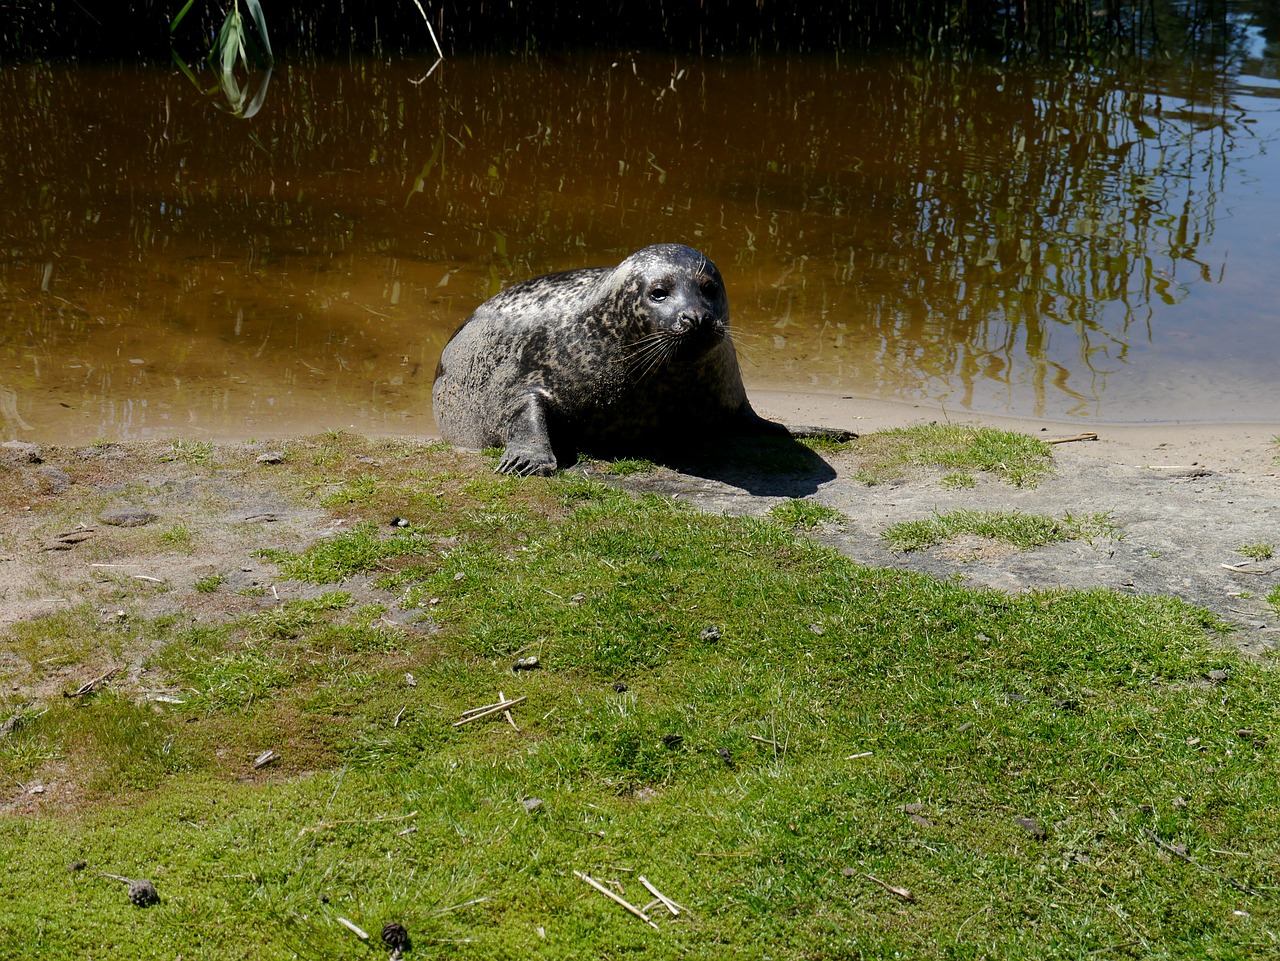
x,y
676,298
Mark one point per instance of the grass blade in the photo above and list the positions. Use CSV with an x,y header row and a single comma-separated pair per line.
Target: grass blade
x,y
181,13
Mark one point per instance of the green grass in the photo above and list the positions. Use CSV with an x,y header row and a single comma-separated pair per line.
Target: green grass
x,y
877,724
959,450
196,452
626,466
1259,552
805,514
179,537
1023,531
210,583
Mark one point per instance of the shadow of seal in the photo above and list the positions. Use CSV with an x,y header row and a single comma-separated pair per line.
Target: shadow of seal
x,y
633,359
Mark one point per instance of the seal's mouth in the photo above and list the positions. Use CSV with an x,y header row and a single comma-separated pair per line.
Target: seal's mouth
x,y
691,336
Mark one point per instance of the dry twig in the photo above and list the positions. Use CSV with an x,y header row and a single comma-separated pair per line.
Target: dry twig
x,y
265,758
93,685
478,713
1178,852
622,901
1244,568
670,905
900,892
507,713
362,935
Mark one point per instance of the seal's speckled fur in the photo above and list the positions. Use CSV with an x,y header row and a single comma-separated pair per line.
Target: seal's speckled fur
x,y
606,359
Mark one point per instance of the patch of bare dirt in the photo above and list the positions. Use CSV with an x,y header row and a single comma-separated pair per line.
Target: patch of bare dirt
x,y
132,532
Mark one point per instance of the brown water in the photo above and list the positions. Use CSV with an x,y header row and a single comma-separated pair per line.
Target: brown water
x,y
1051,241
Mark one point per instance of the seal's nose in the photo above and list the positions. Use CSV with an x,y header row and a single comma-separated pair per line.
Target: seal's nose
x,y
693,320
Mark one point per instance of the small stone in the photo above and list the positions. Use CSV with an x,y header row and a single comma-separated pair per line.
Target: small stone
x,y
271,457
399,522
143,893
532,804
725,755
127,517
1032,827
48,480
20,452
619,687
530,663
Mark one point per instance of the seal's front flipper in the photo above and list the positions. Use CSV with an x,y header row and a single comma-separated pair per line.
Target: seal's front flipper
x,y
528,449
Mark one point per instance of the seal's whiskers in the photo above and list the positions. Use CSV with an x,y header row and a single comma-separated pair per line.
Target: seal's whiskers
x,y
650,353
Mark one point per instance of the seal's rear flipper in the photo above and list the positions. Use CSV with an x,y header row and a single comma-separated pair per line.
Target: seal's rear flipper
x,y
750,424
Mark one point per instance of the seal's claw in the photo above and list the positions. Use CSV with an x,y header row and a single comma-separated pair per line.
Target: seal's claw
x,y
524,463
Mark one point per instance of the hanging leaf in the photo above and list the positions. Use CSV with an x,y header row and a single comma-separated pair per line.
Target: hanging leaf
x,y
260,21
227,43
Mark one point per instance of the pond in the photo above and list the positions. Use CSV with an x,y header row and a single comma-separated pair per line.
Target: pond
x,y
1092,244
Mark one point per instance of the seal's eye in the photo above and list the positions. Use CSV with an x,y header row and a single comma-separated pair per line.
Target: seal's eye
x,y
657,294
709,289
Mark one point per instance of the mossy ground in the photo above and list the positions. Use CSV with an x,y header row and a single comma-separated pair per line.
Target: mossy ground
x,y
762,728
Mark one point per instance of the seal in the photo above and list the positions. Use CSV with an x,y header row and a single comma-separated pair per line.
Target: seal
x,y
608,360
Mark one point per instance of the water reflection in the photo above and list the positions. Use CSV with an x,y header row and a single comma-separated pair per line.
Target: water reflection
x,y
1056,240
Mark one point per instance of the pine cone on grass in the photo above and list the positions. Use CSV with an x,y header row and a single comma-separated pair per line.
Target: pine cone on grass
x,y
395,937
143,893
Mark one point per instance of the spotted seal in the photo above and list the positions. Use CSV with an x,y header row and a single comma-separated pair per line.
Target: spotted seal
x,y
608,360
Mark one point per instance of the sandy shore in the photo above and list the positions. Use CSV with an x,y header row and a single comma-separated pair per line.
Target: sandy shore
x,y
1218,447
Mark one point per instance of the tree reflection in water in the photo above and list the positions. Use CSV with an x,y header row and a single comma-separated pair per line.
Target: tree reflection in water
x,y
1023,237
